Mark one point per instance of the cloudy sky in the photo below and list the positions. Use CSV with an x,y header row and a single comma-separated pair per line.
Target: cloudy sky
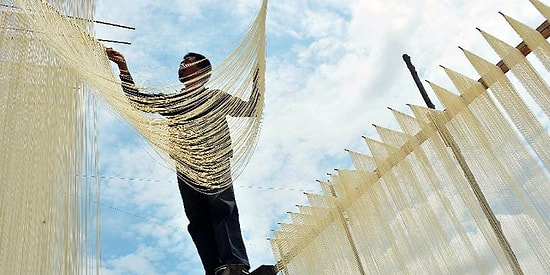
x,y
333,68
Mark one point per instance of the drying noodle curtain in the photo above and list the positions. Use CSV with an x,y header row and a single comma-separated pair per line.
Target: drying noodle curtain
x,y
460,191
53,73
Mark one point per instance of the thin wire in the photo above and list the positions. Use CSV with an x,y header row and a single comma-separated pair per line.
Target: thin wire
x,y
243,186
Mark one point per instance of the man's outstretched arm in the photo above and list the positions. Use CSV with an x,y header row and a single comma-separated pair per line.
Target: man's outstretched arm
x,y
246,108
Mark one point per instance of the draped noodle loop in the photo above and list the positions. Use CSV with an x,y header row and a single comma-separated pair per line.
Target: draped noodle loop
x,y
53,71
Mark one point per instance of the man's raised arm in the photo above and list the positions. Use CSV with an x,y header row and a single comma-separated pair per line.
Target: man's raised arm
x,y
142,101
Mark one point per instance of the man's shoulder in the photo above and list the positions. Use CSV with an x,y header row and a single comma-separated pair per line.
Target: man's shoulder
x,y
202,92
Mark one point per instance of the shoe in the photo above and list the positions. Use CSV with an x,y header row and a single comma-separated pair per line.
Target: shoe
x,y
232,269
222,270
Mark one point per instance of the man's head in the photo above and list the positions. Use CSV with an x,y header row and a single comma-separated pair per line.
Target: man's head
x,y
194,69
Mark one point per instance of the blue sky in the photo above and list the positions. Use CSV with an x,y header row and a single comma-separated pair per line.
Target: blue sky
x,y
333,68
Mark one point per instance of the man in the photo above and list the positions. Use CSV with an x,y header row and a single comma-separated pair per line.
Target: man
x,y
213,217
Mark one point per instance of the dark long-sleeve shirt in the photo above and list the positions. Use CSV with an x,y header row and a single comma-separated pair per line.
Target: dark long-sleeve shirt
x,y
199,132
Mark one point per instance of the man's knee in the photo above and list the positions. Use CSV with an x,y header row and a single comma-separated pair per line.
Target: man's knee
x,y
224,204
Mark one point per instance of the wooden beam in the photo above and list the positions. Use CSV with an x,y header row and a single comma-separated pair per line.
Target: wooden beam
x,y
543,29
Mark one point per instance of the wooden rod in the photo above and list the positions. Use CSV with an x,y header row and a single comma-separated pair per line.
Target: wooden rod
x,y
114,41
73,17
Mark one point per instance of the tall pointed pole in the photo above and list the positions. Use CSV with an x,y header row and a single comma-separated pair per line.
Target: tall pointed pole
x,y
414,74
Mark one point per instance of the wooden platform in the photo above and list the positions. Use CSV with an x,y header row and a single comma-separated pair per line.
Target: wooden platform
x,y
264,270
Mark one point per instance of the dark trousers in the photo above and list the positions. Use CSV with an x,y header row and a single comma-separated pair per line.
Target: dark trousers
x,y
214,227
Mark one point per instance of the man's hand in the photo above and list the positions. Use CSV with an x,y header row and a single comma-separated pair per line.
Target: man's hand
x,y
117,58
255,90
